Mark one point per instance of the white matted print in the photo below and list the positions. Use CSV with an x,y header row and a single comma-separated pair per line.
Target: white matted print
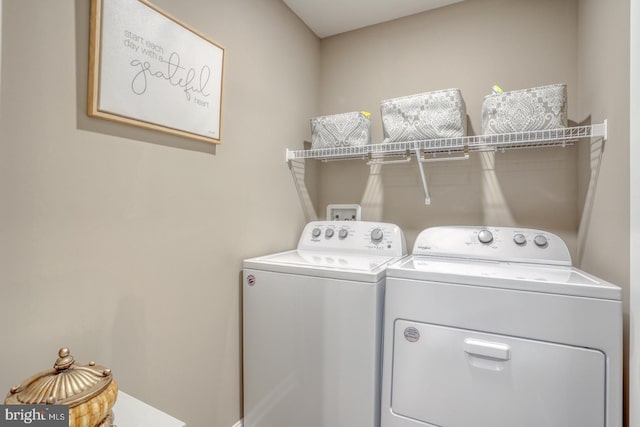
x,y
148,69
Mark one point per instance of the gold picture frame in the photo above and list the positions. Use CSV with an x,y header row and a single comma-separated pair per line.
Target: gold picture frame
x,y
148,69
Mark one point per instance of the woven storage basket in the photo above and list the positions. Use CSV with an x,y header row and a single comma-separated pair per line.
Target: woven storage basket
x,y
430,115
533,109
341,130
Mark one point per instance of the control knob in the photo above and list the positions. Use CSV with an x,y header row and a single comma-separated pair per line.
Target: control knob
x,y
540,240
519,239
328,233
485,236
343,233
316,233
377,235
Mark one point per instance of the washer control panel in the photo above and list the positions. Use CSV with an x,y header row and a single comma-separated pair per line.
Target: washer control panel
x,y
493,243
374,238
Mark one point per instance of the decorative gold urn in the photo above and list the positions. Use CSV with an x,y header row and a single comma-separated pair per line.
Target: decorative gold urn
x,y
89,390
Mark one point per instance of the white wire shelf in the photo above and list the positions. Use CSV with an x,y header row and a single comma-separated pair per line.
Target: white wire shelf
x,y
437,148
452,148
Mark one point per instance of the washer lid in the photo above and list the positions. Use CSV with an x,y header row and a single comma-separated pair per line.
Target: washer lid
x,y
508,275
324,264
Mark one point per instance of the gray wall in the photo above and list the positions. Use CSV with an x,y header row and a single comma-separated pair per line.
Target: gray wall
x,y
471,46
126,245
603,82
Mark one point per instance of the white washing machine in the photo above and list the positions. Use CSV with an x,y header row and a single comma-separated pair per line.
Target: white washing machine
x,y
312,322
492,327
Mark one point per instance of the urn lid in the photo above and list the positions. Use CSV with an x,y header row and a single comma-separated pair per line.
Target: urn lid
x,y
66,384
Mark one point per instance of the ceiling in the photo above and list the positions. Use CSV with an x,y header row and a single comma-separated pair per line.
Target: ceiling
x,y
331,17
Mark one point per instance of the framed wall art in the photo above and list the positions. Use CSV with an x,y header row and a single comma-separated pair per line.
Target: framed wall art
x,y
148,69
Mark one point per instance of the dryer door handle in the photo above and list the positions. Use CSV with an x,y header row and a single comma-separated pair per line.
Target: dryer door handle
x,y
488,349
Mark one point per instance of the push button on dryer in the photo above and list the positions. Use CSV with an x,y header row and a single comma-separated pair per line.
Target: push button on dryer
x,y
540,241
519,239
485,236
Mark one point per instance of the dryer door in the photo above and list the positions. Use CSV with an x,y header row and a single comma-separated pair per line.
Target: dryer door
x,y
454,377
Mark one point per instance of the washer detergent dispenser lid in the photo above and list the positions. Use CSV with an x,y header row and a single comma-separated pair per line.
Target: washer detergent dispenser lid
x,y
500,257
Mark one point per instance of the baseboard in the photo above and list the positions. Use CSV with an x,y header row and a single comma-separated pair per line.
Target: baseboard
x,y
238,424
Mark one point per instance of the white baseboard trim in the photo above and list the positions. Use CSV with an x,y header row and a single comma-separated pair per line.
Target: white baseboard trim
x,y
238,424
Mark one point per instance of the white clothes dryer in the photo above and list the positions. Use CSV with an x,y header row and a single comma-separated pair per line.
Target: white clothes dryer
x,y
312,327
493,327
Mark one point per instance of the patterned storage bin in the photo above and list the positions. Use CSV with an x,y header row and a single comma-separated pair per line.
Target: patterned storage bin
x,y
431,115
341,130
538,108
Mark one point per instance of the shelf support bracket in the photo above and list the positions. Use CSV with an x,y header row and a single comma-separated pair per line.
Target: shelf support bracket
x,y
599,130
463,156
598,140
406,158
297,168
427,197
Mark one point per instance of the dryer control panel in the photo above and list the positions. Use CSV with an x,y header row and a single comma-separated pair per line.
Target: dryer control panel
x,y
361,237
493,243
